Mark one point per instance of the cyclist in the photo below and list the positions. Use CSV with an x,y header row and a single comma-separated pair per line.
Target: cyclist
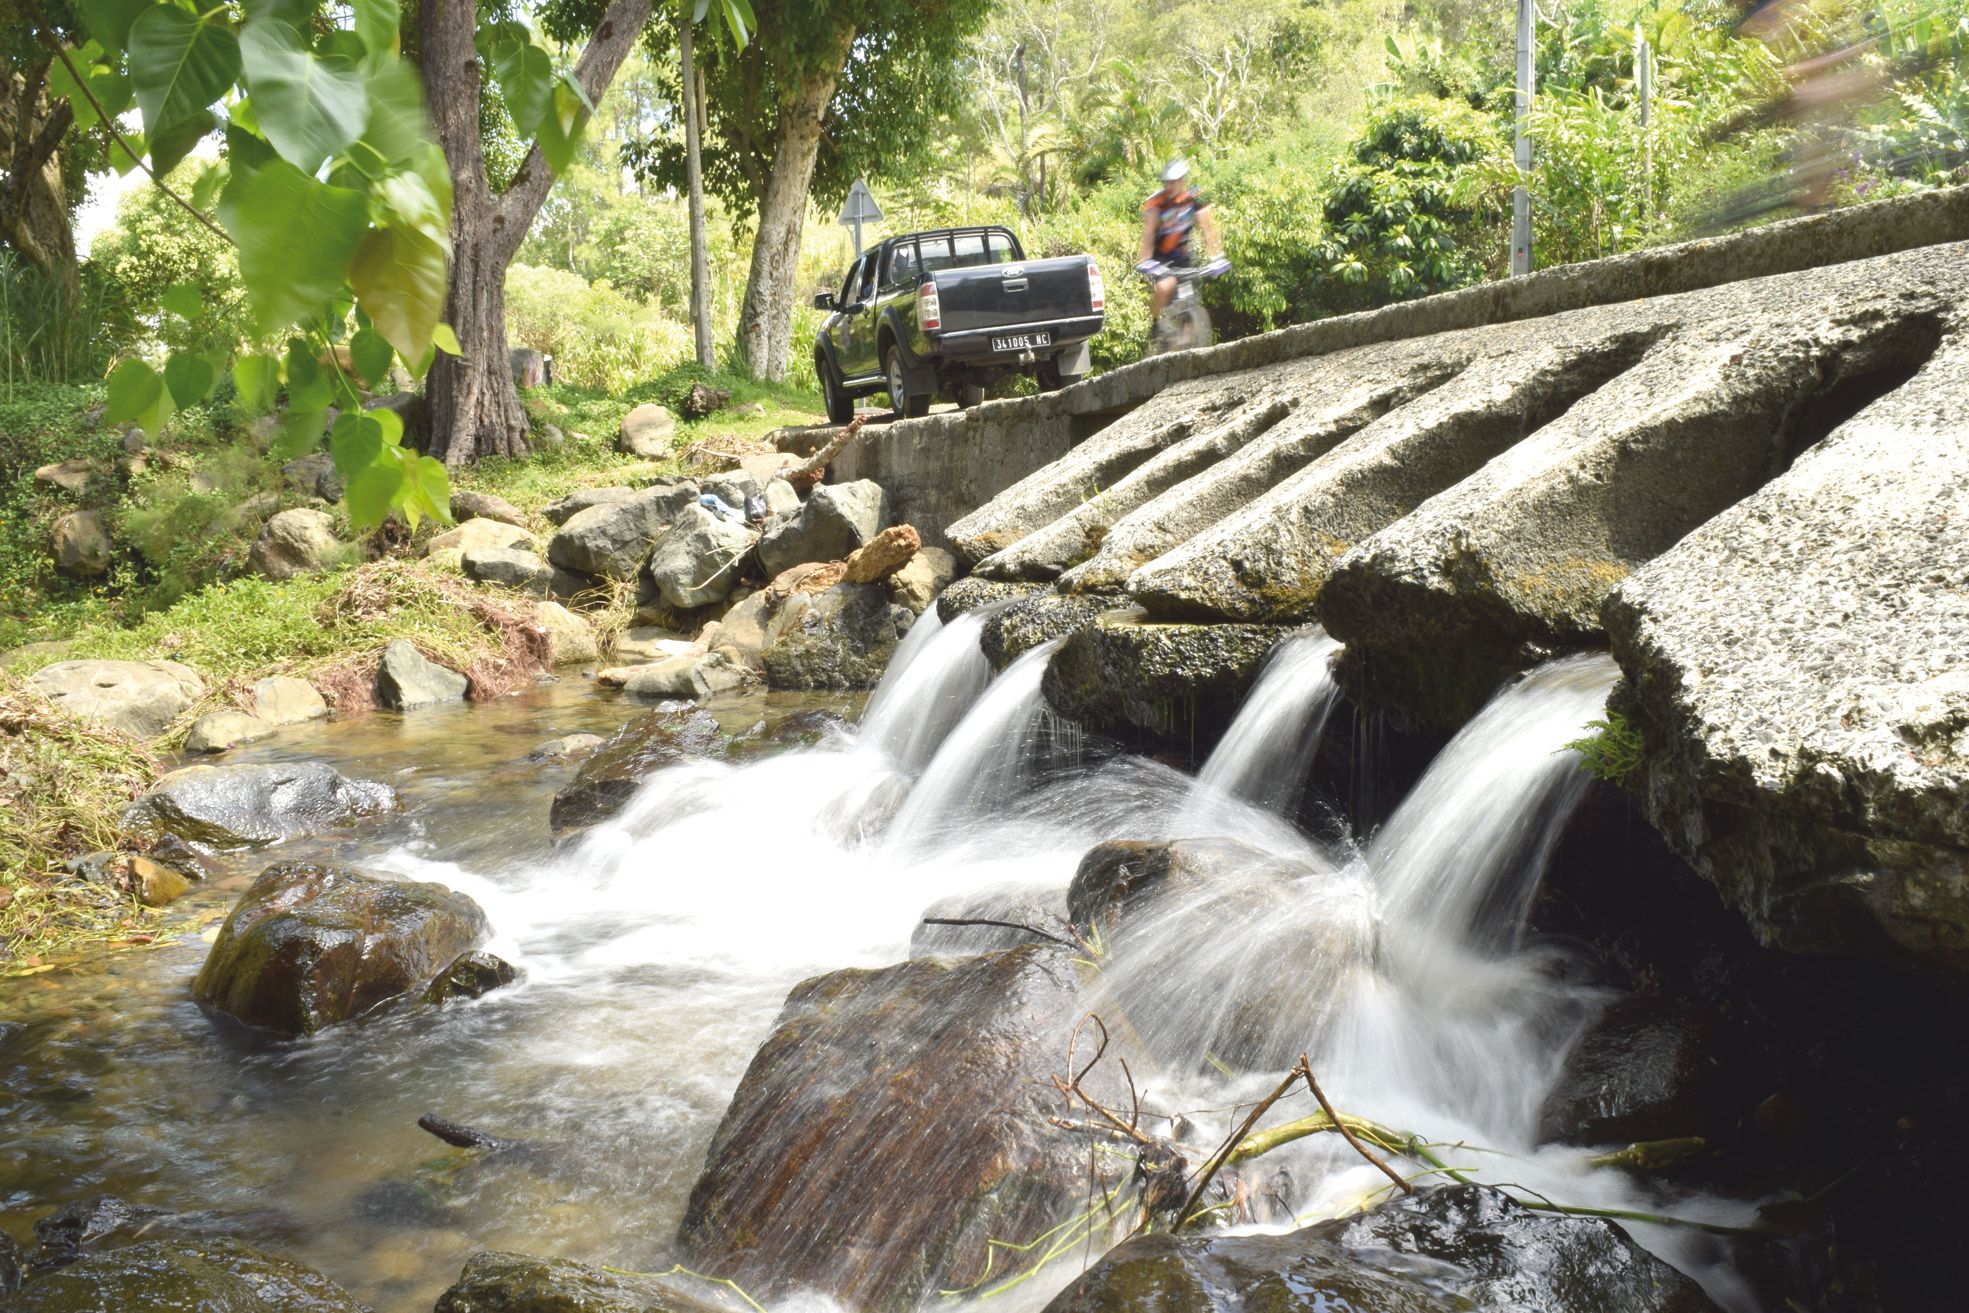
x,y
1171,213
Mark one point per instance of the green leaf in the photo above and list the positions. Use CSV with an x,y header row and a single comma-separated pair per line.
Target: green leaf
x,y
123,161
399,276
246,151
429,492
355,442
377,22
183,300
373,490
179,66
398,128
526,82
446,341
307,389
137,393
258,380
109,20
295,237
559,133
310,107
207,187
188,377
300,433
175,140
372,355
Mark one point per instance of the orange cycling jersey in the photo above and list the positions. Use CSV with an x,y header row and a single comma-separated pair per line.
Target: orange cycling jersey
x,y
1175,218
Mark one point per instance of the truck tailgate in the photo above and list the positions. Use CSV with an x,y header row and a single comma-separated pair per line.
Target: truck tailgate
x,y
1001,295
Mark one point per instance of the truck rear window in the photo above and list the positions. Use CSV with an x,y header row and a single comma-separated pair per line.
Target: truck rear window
x,y
964,250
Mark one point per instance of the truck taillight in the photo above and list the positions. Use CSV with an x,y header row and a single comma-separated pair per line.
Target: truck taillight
x,y
929,311
1097,291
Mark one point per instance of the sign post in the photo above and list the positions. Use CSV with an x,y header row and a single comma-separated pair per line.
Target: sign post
x,y
1520,195
858,209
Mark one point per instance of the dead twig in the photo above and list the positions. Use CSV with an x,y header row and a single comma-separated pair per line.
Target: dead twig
x,y
1306,1068
1002,925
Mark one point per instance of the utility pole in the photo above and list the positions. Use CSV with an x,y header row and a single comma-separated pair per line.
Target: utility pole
x,y
1520,195
1644,76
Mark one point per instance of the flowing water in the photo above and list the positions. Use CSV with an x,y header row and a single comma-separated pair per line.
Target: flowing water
x,y
657,950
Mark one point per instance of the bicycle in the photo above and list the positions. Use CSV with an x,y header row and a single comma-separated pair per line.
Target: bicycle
x,y
1184,322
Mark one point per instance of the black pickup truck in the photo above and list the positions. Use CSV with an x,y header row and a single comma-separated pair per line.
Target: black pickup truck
x,y
950,311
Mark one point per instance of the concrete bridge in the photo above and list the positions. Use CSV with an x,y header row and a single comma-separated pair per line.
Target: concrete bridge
x,y
1742,464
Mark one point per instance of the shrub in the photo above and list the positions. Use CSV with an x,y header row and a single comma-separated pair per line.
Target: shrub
x,y
1613,751
598,337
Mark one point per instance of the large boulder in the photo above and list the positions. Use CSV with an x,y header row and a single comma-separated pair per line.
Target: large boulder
x,y
68,476
609,778
972,593
835,519
222,731
697,562
693,677
997,917
209,1276
412,409
515,1283
922,577
310,946
566,508
1460,1247
1795,674
408,679
841,637
252,806
140,698
469,505
1175,686
285,700
508,567
315,474
82,545
611,539
648,431
293,542
482,534
1015,629
958,1055
571,639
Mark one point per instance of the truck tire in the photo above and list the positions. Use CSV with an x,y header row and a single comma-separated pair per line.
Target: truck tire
x,y
907,404
1050,379
840,406
969,395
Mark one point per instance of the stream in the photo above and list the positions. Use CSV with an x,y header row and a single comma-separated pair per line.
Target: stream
x,y
657,949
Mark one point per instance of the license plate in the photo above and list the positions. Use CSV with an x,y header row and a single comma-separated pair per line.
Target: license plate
x,y
1021,341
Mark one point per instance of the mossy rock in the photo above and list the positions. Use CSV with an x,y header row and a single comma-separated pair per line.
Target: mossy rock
x,y
184,1276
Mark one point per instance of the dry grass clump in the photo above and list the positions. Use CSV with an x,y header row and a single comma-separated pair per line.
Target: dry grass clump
x,y
63,787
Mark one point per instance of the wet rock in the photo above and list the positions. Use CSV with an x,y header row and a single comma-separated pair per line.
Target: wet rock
x,y
482,535
698,561
922,577
648,431
971,592
82,545
1030,913
1457,1247
210,1276
1017,628
285,700
1646,1069
514,1283
609,778
408,679
882,555
566,748
315,474
571,640
63,1235
650,643
1794,668
469,505
969,1045
13,1263
835,519
612,539
252,806
842,637
473,975
1172,685
560,512
140,698
509,568
157,885
310,946
693,677
295,542
67,476
222,731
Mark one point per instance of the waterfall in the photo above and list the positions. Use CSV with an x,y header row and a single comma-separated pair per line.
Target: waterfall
x,y
1265,754
934,677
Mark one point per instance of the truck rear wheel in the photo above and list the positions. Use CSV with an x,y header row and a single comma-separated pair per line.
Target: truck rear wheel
x,y
969,395
840,406
907,405
1050,378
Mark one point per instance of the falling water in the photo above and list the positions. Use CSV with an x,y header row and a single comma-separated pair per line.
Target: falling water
x,y
1264,755
934,677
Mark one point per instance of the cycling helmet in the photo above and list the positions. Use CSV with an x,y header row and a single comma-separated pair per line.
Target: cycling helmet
x,y
1175,170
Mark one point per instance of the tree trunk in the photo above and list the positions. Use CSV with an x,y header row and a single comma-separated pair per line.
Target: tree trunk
x,y
765,322
475,408
34,216
700,309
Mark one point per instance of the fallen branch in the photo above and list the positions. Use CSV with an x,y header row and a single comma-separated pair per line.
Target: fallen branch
x,y
1306,1069
1002,925
808,472
1649,1154
460,1137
